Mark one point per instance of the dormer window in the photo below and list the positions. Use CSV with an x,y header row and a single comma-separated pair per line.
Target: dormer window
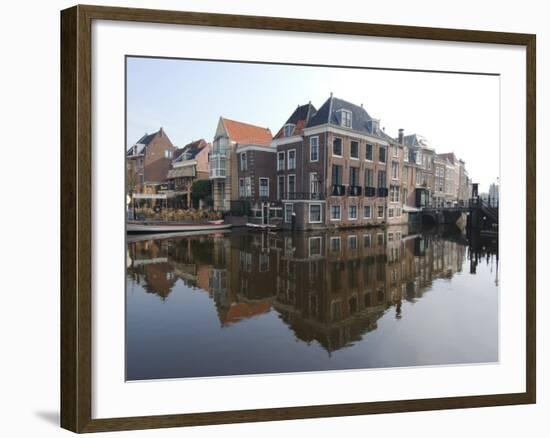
x,y
375,126
288,129
345,118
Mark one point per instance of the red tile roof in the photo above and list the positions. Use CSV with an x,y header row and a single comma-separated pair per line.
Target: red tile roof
x,y
245,133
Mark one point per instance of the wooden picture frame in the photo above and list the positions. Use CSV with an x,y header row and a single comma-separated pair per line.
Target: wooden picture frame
x,y
76,218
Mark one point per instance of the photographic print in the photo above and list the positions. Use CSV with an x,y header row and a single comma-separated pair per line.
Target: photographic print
x,y
303,218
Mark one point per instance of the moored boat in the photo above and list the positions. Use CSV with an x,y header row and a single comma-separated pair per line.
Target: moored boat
x,y
174,227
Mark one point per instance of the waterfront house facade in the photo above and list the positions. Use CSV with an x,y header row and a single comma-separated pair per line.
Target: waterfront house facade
x,y
189,164
148,162
337,168
224,159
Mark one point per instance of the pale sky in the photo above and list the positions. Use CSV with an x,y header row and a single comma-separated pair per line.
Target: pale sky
x,y
456,112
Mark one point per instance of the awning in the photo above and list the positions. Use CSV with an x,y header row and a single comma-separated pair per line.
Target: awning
x,y
181,172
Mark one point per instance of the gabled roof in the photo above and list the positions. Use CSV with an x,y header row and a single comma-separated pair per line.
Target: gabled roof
x,y
361,121
245,133
190,151
299,118
449,156
139,146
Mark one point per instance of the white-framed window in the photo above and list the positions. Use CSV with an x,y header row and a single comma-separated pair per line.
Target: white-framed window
x,y
390,212
280,186
291,185
395,151
289,209
315,246
264,187
395,170
313,149
394,193
335,244
354,150
242,192
406,154
368,152
243,160
288,129
314,183
352,242
369,178
390,237
366,240
337,147
248,186
167,153
345,118
397,212
315,214
352,212
291,159
281,160
382,154
380,212
335,213
367,212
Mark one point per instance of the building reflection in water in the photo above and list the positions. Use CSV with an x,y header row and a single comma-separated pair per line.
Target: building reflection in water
x,y
328,287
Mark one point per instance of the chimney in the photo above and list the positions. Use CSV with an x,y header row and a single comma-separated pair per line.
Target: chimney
x,y
161,131
401,136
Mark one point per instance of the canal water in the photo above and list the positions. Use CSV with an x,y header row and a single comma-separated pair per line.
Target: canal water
x,y
244,302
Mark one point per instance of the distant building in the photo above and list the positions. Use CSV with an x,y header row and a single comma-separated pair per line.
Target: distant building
x,y
189,164
148,162
235,180
494,193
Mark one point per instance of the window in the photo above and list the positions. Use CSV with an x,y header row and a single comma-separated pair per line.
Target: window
x,y
248,186
314,149
390,212
390,237
314,183
280,186
353,176
336,174
380,238
395,151
352,242
242,192
382,179
380,212
314,246
264,187
288,129
292,159
369,179
345,118
368,152
337,147
352,215
335,213
291,185
167,153
367,212
394,193
354,150
406,154
243,161
314,213
418,178
395,170
335,243
289,209
405,173
382,154
366,240
397,212
280,160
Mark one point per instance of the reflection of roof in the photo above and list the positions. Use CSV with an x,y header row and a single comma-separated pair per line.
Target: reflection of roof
x,y
239,311
139,147
245,133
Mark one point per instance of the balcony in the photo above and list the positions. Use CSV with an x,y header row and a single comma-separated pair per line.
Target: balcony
x,y
303,196
217,166
355,190
370,191
338,190
382,192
